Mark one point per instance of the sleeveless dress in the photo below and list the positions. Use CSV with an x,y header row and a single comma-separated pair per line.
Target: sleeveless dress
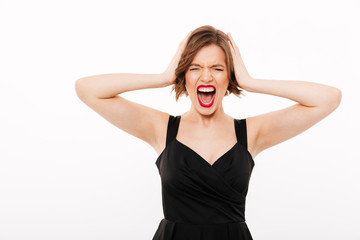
x,y
203,201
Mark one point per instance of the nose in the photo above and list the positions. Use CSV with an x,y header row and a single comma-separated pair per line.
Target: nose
x,y
206,75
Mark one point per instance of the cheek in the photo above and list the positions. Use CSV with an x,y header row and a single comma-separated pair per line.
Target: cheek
x,y
190,79
191,75
220,75
223,79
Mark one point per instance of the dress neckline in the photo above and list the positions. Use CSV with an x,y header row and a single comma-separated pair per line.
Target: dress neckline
x,y
202,158
238,143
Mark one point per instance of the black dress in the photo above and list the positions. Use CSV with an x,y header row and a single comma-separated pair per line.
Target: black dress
x,y
203,201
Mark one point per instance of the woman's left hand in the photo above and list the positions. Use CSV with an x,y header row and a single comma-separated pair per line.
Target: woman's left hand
x,y
242,76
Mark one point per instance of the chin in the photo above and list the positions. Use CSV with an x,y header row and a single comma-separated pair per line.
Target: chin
x,y
206,111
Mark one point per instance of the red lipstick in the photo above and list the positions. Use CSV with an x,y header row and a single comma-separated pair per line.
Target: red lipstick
x,y
203,100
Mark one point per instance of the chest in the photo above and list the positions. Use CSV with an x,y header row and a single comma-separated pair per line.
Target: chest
x,y
210,145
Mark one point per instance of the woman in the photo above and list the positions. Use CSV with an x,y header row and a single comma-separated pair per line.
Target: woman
x,y
205,156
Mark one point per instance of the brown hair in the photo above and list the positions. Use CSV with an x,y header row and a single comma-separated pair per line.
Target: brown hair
x,y
199,38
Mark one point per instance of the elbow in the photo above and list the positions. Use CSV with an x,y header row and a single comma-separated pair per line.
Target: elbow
x,y
335,96
80,88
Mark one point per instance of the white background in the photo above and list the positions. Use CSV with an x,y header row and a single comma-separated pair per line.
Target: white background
x,y
67,173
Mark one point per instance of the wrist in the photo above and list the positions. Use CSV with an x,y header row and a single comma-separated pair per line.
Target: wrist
x,y
248,84
164,79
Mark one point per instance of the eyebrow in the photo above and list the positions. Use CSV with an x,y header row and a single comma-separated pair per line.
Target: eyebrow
x,y
198,65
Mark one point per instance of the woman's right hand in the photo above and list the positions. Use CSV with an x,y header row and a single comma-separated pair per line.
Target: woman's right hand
x,y
169,74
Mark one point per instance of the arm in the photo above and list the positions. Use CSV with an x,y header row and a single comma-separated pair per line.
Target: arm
x,y
109,85
308,94
314,102
100,92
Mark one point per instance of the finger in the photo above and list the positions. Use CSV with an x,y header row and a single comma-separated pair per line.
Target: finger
x,y
188,34
233,54
230,37
231,49
186,38
181,48
182,44
233,43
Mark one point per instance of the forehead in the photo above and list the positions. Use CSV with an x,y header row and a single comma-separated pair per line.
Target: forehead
x,y
210,54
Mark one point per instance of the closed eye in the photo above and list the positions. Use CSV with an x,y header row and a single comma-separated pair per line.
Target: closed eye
x,y
193,69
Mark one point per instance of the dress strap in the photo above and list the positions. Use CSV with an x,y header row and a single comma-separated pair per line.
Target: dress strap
x,y
241,133
172,128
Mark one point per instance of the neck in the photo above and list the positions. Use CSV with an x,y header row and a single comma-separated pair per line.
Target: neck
x,y
195,116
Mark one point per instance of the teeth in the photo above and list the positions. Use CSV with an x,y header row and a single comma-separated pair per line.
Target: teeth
x,y
206,89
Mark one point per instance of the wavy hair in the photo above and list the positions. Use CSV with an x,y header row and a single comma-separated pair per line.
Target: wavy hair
x,y
199,38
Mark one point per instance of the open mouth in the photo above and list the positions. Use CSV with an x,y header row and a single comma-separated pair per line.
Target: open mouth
x,y
206,95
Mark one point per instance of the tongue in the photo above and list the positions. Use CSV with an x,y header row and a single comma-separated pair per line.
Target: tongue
x,y
206,97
